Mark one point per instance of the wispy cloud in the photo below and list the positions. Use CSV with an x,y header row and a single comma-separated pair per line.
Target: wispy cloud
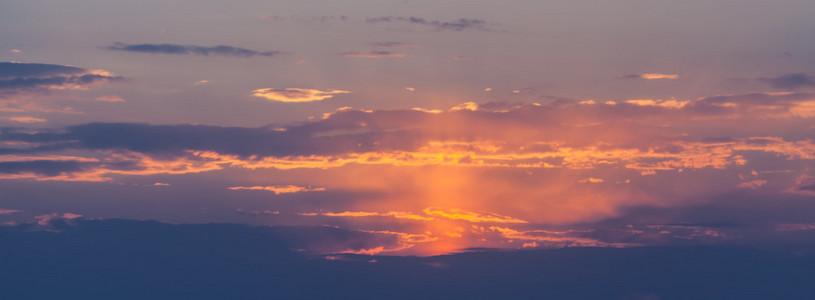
x,y
4,211
652,76
396,45
790,81
279,189
20,78
110,98
221,50
20,82
296,94
26,119
455,25
373,54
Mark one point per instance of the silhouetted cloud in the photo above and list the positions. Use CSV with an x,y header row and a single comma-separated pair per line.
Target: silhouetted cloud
x,y
456,25
177,49
790,81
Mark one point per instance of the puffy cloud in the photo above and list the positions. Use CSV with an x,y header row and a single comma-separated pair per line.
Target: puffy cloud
x,y
220,50
296,94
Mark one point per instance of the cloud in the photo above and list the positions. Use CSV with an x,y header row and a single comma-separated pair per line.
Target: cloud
x,y
469,216
27,120
4,211
45,220
790,81
19,82
47,168
456,25
14,69
220,50
396,45
296,94
280,189
373,54
753,184
110,98
794,227
394,214
422,175
651,76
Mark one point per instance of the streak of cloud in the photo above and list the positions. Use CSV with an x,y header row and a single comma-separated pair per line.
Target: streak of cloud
x,y
295,95
220,50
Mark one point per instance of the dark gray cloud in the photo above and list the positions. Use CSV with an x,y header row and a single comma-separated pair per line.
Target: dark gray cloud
x,y
455,25
790,81
40,167
221,50
22,70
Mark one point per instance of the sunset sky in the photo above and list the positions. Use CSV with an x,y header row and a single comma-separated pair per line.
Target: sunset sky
x,y
416,128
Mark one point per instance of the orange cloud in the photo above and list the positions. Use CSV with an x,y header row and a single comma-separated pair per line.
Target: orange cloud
x,y
395,214
279,189
753,184
111,98
469,216
27,119
296,95
651,76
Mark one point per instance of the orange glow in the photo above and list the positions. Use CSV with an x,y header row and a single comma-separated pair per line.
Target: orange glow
x,y
659,76
279,189
460,214
296,94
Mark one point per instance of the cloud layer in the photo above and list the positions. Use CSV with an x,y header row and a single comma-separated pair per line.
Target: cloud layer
x,y
477,175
